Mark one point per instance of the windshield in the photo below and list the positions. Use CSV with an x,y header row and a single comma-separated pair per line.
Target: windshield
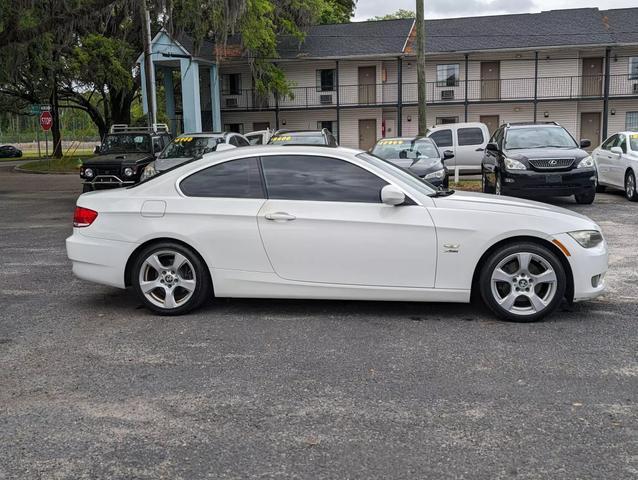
x,y
190,147
411,149
298,139
538,137
405,176
126,143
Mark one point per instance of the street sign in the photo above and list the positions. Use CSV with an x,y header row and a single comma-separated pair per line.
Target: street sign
x,y
46,120
36,109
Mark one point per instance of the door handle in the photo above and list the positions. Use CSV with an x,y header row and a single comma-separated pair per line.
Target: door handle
x,y
280,217
479,149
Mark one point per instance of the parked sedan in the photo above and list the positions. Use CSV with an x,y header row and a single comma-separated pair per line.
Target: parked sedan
x,y
617,163
311,222
9,151
420,155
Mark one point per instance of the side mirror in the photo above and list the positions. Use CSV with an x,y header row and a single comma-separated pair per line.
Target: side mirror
x,y
448,154
492,147
96,150
616,150
584,143
391,195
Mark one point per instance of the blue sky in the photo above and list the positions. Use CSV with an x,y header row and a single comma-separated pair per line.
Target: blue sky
x,y
465,8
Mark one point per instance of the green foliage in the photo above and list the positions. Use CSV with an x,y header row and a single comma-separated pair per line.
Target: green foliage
x,y
102,61
401,13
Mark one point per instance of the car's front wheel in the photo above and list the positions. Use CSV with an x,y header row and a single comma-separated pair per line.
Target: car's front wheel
x,y
630,187
485,184
523,282
498,184
170,279
587,197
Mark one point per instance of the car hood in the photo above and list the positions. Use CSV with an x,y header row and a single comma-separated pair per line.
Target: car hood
x,y
420,166
569,221
527,153
123,158
162,164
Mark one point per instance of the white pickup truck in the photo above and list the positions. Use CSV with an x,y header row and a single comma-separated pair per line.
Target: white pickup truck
x,y
466,140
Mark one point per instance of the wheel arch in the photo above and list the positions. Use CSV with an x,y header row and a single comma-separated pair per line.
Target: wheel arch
x,y
135,253
569,290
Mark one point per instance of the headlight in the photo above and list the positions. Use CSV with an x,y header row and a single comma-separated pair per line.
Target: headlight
x,y
435,175
586,162
88,172
511,164
128,172
587,238
149,171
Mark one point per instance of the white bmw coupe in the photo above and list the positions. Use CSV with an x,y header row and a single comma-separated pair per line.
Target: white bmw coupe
x,y
330,223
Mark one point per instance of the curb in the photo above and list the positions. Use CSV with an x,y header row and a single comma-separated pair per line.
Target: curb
x,y
36,172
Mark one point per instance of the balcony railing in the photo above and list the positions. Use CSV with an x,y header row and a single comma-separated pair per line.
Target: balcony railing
x,y
387,94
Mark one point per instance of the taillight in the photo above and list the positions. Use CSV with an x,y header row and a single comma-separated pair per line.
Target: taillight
x,y
83,217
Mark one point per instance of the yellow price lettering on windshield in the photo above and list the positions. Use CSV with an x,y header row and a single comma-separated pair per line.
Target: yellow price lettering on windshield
x,y
281,139
634,136
184,139
391,142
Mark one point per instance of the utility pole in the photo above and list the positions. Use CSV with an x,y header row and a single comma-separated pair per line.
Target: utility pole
x,y
420,66
148,64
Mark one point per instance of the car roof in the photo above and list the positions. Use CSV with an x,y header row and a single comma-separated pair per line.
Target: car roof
x,y
301,133
458,124
532,124
203,134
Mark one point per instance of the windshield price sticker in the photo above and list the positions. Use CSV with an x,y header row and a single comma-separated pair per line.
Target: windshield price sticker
x,y
281,139
634,136
391,142
184,139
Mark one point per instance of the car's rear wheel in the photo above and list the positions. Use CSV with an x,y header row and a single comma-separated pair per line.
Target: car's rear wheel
x,y
170,279
523,282
630,187
587,197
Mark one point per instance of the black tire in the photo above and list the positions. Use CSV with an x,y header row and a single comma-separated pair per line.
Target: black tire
x,y
600,188
485,184
203,286
87,188
498,184
518,313
631,192
587,197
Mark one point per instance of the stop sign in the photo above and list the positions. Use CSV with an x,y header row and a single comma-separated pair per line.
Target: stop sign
x,y
46,121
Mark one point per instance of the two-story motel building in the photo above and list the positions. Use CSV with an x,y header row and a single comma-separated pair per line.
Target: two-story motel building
x,y
576,67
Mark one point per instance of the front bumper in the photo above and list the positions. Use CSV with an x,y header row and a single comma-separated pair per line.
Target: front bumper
x,y
536,183
589,266
108,181
98,260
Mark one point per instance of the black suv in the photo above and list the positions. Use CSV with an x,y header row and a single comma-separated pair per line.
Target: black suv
x,y
538,160
303,137
121,158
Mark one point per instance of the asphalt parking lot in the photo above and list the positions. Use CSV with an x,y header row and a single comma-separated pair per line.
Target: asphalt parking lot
x,y
94,386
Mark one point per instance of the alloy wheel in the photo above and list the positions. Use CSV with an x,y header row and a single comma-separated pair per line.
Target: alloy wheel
x,y
630,186
167,279
524,283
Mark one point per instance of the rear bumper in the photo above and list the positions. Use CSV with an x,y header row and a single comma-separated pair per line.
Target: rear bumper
x,y
98,260
589,266
533,183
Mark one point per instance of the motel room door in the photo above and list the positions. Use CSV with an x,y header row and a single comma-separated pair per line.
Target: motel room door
x,y
367,133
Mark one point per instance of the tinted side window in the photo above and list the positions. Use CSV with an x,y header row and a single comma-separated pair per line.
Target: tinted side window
x,y
241,142
255,139
300,177
442,138
470,136
610,142
233,179
623,143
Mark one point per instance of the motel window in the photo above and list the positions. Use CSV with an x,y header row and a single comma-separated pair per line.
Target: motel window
x,y
231,84
447,75
444,120
329,124
234,127
631,121
633,68
326,80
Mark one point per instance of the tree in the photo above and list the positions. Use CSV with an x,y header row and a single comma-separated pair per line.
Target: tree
x,y
401,13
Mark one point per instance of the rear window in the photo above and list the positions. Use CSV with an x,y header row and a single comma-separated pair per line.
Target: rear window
x,y
470,136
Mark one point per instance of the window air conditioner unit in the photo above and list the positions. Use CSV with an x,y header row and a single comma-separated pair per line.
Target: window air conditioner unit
x,y
231,102
325,99
636,88
447,94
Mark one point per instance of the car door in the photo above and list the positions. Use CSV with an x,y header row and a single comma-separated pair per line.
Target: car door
x,y
218,213
469,146
324,222
603,159
619,162
444,140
